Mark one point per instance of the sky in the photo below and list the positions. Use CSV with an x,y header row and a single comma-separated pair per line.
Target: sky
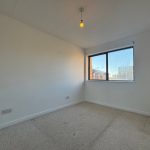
x,y
115,59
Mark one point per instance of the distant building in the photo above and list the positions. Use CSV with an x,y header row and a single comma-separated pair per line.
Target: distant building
x,y
97,74
124,73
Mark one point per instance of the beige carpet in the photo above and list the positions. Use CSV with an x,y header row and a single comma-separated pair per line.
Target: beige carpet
x,y
84,126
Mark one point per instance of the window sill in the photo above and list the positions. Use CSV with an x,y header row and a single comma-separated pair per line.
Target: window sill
x,y
112,81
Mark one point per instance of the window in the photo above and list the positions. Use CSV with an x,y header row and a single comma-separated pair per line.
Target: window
x,y
112,65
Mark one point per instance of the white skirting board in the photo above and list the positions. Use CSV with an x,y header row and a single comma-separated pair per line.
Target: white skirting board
x,y
121,108
32,116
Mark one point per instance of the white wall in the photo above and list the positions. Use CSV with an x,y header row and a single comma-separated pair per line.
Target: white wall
x,y
37,71
132,96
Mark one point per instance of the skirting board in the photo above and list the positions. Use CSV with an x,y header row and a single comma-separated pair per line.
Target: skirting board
x,y
121,108
32,116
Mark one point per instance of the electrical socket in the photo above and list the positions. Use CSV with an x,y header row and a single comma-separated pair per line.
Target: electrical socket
x,y
6,111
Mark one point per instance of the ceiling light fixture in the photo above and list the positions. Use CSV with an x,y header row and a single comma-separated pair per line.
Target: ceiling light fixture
x,y
81,9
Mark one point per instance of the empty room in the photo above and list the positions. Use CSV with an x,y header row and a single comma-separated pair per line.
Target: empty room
x,y
74,74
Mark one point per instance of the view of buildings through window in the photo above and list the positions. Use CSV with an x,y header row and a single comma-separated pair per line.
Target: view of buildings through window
x,y
119,66
98,67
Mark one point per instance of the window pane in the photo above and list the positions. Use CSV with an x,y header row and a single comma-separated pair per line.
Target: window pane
x,y
120,64
98,67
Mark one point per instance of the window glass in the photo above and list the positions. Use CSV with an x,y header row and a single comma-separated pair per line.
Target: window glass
x,y
98,67
120,65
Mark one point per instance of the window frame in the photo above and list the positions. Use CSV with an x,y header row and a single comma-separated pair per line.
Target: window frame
x,y
107,73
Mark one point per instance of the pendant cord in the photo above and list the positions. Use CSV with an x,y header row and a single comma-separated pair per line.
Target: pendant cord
x,y
81,11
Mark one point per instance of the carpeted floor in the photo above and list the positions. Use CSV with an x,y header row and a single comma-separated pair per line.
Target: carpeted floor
x,y
84,126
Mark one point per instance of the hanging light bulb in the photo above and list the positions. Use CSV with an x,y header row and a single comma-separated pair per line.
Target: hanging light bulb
x,y
81,9
81,24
